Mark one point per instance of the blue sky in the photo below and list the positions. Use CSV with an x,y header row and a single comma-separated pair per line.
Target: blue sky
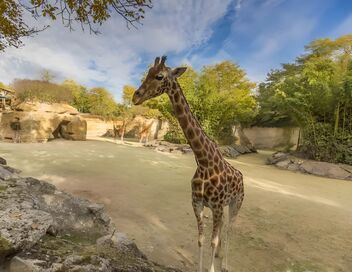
x,y
257,34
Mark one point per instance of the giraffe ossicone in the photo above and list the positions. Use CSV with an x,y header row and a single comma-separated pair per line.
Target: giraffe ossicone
x,y
216,184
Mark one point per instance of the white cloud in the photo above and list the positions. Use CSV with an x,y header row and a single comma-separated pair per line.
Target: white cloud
x,y
270,33
112,58
238,5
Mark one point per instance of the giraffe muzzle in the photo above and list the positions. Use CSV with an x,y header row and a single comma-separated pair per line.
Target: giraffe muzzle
x,y
137,98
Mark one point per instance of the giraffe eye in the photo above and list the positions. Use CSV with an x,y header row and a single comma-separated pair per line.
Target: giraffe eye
x,y
159,77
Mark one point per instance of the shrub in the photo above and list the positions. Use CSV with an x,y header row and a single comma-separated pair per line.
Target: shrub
x,y
37,90
320,142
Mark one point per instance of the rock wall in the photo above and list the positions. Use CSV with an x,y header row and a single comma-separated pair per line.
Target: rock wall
x,y
97,126
43,229
42,121
272,137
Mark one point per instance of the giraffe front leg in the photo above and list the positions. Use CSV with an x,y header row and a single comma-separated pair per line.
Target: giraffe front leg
x,y
217,223
198,211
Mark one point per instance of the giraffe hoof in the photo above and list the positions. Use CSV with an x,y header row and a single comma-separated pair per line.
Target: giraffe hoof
x,y
224,269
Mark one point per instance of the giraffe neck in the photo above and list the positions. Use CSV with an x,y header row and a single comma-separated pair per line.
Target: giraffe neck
x,y
203,148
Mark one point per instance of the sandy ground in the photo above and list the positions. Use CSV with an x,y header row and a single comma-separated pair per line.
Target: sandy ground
x,y
289,222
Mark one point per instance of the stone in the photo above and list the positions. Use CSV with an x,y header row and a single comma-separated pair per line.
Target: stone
x,y
241,149
22,228
283,164
277,157
18,264
121,243
41,122
5,174
109,133
325,169
2,161
293,167
11,169
45,229
75,129
229,151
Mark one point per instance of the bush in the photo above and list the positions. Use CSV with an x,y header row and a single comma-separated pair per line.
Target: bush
x,y
37,90
321,143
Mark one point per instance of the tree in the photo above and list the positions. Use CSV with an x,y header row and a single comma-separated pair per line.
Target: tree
x,y
80,95
2,85
101,102
127,94
315,94
86,13
224,99
46,75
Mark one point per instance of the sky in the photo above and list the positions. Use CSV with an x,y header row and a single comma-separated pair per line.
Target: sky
x,y
259,35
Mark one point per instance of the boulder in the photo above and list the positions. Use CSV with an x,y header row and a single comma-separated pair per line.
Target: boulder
x,y
325,169
21,228
121,243
284,164
229,151
277,157
38,126
2,161
74,129
43,229
293,167
6,174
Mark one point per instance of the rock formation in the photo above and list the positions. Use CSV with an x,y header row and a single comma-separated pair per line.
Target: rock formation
x,y
42,121
229,151
324,169
97,127
45,229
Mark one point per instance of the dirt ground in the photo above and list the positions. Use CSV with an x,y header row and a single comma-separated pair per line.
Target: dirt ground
x,y
289,222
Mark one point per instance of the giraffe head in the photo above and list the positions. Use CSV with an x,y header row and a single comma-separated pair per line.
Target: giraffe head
x,y
158,81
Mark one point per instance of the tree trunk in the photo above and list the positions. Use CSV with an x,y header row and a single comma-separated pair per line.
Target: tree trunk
x,y
123,130
337,118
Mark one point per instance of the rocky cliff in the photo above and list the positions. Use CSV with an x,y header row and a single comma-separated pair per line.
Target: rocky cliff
x,y
45,229
97,127
43,121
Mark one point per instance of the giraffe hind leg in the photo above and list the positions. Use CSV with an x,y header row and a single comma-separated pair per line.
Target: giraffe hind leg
x,y
198,211
217,223
234,207
218,252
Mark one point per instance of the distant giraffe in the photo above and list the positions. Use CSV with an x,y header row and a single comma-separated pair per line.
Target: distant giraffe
x,y
216,183
144,132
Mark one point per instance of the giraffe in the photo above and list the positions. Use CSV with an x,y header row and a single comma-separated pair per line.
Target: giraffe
x,y
216,184
144,131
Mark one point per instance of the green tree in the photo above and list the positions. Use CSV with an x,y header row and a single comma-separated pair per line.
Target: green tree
x,y
80,95
3,85
315,94
101,102
224,99
88,14
127,94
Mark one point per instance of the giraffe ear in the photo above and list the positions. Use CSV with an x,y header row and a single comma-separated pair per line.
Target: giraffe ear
x,y
177,72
